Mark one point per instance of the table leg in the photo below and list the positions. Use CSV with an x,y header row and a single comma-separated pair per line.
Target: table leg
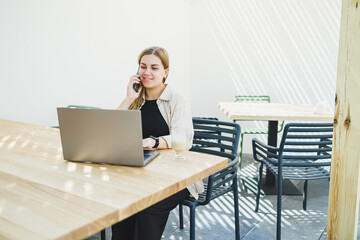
x,y
268,185
272,141
103,235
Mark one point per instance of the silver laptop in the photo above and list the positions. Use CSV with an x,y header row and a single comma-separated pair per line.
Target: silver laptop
x,y
103,136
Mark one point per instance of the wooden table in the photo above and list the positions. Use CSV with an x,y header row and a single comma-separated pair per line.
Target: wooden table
x,y
272,112
43,196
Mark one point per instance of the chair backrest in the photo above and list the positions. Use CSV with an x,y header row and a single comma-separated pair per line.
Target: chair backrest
x,y
221,139
252,98
256,99
211,118
216,137
307,143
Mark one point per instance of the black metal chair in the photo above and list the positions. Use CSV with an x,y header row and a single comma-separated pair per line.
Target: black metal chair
x,y
220,139
304,154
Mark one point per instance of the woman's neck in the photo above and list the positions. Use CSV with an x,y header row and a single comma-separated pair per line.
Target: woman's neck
x,y
154,93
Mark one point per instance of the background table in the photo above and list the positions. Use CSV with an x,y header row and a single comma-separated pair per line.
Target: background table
x,y
43,196
273,112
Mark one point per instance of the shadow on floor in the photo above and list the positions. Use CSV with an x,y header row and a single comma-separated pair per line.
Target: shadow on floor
x,y
216,220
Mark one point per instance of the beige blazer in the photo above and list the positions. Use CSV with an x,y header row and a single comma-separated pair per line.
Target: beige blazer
x,y
176,111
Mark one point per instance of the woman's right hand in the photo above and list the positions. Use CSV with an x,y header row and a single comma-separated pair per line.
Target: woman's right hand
x,y
131,94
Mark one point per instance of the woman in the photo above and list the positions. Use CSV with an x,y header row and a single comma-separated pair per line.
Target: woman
x,y
161,110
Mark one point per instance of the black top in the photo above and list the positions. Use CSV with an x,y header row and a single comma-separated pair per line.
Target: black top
x,y
152,121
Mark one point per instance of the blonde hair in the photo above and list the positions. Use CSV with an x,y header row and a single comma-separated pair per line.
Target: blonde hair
x,y
162,54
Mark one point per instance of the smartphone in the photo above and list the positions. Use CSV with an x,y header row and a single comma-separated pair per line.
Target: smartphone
x,y
136,86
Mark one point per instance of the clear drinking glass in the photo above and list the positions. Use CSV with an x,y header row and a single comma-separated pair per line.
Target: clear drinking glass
x,y
179,142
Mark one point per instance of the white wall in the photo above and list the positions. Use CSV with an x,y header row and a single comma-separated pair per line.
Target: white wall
x,y
55,53
283,48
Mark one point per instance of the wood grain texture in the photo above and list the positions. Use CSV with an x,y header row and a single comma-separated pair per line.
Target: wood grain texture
x,y
272,111
344,181
43,196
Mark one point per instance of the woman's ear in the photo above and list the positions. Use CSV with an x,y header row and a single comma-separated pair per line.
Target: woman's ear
x,y
166,72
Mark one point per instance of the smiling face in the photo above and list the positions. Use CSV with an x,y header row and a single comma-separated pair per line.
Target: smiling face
x,y
152,71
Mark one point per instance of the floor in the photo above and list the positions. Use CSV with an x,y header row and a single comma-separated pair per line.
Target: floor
x,y
216,220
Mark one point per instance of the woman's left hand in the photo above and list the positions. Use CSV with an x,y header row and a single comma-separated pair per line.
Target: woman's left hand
x,y
148,143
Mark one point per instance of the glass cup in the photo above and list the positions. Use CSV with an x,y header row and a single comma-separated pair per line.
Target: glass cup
x,y
179,143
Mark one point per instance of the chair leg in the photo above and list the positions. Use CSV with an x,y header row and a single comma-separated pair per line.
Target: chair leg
x,y
278,220
192,222
258,187
236,209
305,194
181,216
241,150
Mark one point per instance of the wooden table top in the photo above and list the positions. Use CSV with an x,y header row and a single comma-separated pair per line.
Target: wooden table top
x,y
43,196
272,111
